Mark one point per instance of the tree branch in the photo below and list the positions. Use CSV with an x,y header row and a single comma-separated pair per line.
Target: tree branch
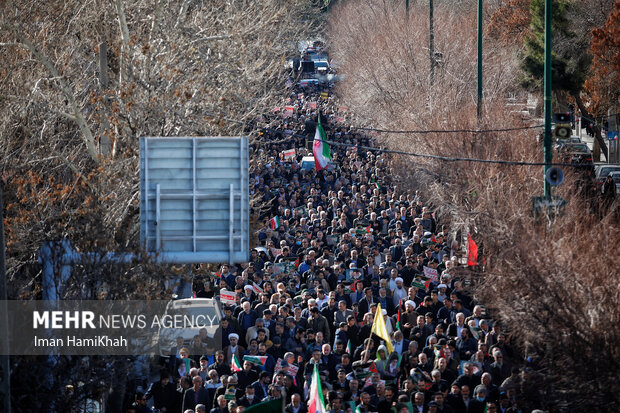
x,y
66,90
597,130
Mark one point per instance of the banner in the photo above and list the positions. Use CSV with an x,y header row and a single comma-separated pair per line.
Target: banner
x,y
293,369
288,111
256,288
228,297
431,274
289,154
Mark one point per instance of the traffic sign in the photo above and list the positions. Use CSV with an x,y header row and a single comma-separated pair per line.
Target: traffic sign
x,y
194,205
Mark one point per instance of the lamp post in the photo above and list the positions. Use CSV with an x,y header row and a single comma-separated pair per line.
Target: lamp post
x,y
431,41
547,77
479,102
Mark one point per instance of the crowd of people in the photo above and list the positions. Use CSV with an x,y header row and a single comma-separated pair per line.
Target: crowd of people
x,y
334,246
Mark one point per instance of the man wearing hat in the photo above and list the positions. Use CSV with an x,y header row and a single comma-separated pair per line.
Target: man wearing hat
x,y
276,350
408,316
234,348
442,292
399,293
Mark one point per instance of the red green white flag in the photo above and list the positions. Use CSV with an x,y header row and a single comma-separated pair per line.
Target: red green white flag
x,y
235,366
320,149
274,223
316,403
348,349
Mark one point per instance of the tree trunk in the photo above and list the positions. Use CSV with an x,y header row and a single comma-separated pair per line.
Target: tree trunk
x,y
595,127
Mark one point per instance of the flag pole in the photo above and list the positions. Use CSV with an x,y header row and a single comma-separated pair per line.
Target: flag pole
x,y
283,392
367,354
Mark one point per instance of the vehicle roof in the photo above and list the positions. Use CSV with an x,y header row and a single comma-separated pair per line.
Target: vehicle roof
x,y
598,169
189,302
601,165
572,147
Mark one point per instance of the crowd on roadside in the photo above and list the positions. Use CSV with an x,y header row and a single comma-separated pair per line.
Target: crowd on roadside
x,y
333,247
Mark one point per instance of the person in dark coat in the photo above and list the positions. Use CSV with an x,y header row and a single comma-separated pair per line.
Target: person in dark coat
x,y
222,405
318,322
196,395
163,392
500,370
609,192
295,406
249,398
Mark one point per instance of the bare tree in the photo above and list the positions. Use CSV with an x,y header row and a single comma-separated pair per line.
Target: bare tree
x,y
81,82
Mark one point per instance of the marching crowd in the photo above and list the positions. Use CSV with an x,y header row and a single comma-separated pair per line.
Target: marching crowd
x,y
339,248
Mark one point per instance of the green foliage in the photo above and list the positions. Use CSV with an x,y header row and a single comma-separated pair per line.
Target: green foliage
x,y
570,62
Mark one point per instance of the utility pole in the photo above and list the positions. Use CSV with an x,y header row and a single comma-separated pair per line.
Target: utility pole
x,y
431,45
5,375
479,102
547,139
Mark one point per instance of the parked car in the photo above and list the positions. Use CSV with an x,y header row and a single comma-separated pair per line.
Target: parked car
x,y
307,163
602,170
196,313
308,82
575,152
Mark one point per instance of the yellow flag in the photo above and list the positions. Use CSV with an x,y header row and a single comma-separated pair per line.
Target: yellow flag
x,y
378,327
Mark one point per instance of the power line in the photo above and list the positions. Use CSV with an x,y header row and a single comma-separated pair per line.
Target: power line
x,y
435,157
423,131
415,131
420,155
456,159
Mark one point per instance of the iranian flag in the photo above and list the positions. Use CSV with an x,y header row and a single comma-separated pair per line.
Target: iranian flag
x,y
274,223
235,366
316,403
348,349
322,156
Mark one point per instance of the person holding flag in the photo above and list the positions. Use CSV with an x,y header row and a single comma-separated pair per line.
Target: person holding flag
x,y
235,366
316,401
320,149
378,328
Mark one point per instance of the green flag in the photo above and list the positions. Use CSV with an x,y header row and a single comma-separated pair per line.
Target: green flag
x,y
270,406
